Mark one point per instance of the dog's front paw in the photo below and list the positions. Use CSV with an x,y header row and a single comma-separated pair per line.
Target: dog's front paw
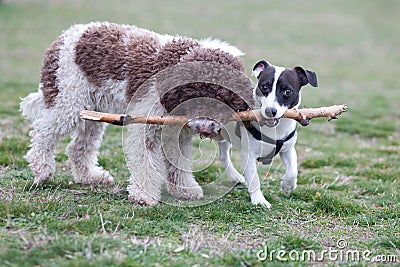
x,y
235,176
288,186
257,198
195,192
143,200
206,127
139,196
41,171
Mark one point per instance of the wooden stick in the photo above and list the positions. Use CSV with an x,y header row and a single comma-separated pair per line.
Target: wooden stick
x,y
303,115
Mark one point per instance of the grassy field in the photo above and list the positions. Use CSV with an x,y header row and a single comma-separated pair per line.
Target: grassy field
x,y
349,169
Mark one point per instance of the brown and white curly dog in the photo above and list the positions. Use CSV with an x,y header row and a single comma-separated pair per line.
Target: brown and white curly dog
x,y
101,66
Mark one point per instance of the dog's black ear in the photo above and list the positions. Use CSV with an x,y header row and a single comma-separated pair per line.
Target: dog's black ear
x,y
259,67
306,76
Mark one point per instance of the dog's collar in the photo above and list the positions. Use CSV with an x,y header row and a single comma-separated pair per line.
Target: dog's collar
x,y
262,137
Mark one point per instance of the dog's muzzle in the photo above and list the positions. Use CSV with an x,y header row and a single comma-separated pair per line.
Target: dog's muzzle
x,y
270,122
206,127
269,117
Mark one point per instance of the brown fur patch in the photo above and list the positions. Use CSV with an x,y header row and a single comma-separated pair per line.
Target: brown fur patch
x,y
172,52
48,72
101,53
144,61
140,66
216,67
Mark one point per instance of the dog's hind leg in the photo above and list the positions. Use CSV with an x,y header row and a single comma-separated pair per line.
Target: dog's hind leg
x,y
82,153
177,148
46,133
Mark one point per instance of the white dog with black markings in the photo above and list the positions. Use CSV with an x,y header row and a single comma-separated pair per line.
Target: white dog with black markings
x,y
277,90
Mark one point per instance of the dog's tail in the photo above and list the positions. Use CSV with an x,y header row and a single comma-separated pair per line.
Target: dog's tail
x,y
32,106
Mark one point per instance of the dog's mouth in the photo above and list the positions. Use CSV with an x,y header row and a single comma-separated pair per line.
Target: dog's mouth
x,y
271,122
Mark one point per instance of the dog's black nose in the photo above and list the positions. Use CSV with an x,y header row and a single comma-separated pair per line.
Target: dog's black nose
x,y
270,112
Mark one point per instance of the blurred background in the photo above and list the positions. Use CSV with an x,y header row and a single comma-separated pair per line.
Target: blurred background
x,y
354,46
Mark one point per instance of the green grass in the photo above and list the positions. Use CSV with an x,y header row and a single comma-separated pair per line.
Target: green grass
x,y
348,185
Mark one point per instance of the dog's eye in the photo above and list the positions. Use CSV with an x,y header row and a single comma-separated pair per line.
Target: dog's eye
x,y
265,87
287,92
